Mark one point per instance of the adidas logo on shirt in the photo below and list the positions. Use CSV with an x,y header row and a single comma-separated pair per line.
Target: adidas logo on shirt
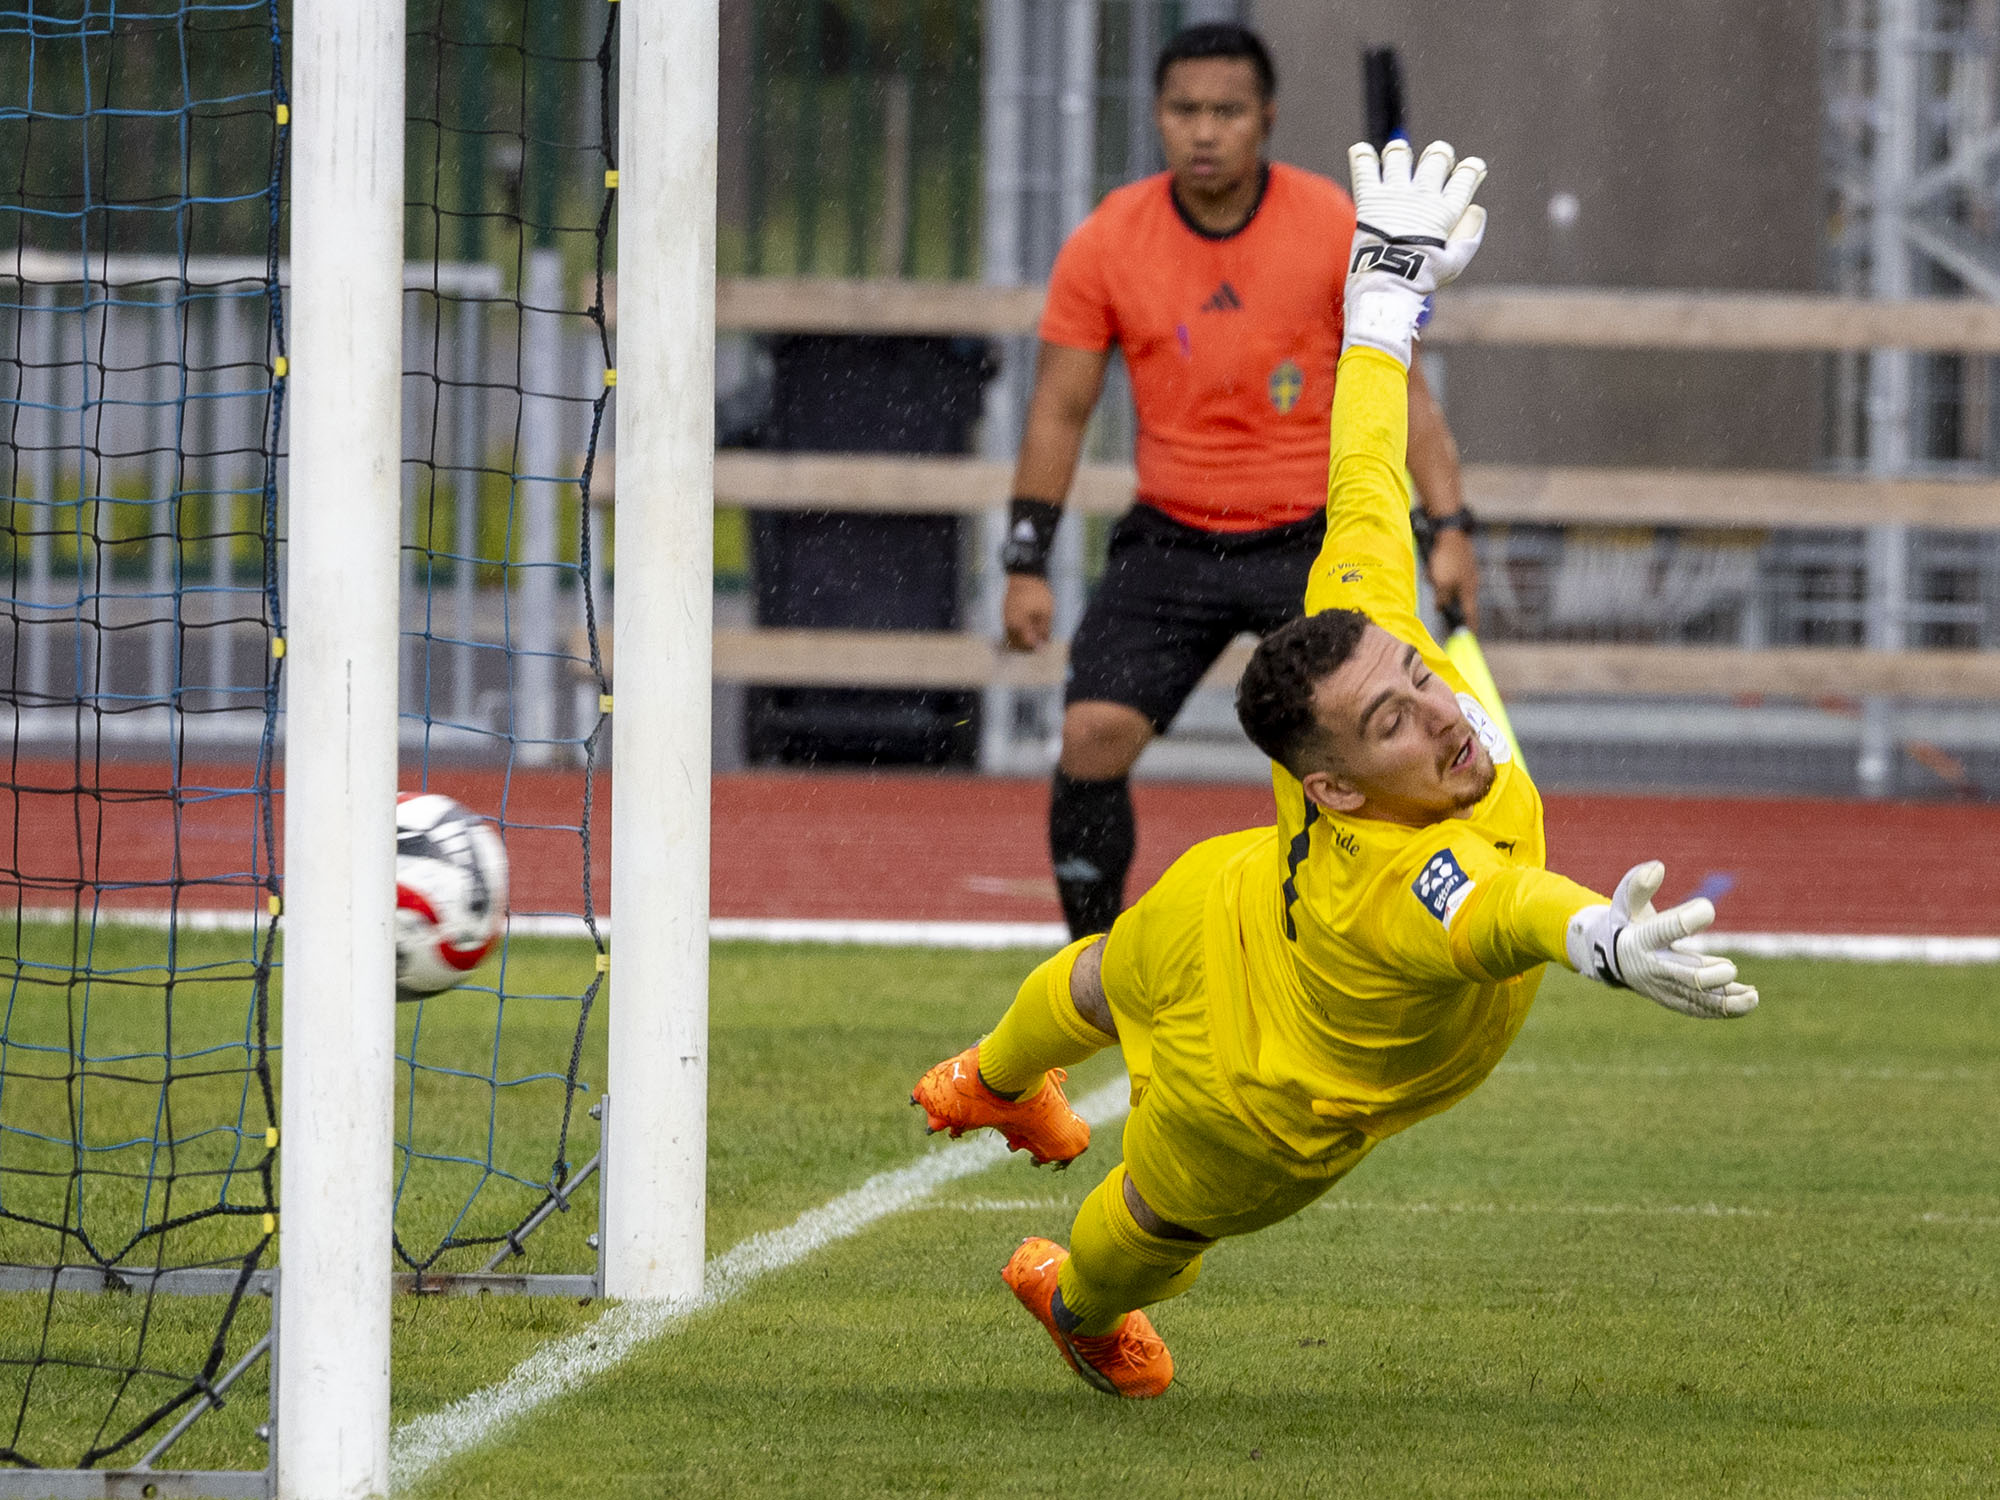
x,y
1223,299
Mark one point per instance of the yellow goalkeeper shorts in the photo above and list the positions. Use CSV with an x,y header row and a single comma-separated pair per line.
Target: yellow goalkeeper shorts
x,y
1196,1161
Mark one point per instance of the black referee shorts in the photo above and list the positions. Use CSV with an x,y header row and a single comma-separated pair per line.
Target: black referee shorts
x,y
1172,597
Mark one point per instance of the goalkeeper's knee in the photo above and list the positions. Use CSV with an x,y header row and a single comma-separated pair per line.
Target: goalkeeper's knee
x,y
1115,1266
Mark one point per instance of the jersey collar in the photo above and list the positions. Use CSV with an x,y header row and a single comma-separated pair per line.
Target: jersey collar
x,y
1263,187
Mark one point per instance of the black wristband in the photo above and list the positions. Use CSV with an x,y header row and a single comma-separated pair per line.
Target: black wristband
x,y
1461,519
1031,530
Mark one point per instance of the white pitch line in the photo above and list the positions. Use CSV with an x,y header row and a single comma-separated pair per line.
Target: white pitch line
x,y
1578,1210
890,934
1818,1072
1423,1209
420,1445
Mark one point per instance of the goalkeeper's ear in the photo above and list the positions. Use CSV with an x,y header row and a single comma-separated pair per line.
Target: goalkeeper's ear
x,y
1331,792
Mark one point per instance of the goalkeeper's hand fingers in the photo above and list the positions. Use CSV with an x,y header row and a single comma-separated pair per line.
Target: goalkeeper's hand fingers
x,y
1416,229
1364,168
1628,944
1632,899
1658,958
1419,207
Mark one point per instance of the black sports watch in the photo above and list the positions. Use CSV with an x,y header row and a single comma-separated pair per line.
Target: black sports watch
x,y
1031,531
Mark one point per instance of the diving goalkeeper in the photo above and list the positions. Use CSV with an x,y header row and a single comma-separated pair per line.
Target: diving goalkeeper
x,y
1287,998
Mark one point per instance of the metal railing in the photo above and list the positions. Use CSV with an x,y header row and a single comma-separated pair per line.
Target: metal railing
x,y
1637,583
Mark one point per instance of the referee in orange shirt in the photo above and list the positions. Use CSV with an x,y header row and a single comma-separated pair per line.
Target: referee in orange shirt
x,y
1221,281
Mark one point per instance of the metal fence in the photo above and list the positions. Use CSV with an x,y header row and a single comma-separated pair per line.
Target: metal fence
x,y
115,606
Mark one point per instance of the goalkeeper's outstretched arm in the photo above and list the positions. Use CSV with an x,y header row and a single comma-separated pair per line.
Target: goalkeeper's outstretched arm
x,y
1417,229
1517,917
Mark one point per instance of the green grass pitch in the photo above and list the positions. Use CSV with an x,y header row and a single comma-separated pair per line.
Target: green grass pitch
x,y
1650,1256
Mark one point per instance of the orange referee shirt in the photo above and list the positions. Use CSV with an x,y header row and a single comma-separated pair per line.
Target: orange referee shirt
x,y
1231,342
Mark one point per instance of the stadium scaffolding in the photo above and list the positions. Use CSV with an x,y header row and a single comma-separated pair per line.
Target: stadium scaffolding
x,y
1604,581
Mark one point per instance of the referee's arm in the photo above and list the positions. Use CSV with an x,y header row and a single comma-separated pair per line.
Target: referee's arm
x,y
1067,383
1433,464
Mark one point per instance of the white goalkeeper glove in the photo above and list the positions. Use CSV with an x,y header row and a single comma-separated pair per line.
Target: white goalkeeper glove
x,y
1416,231
1630,946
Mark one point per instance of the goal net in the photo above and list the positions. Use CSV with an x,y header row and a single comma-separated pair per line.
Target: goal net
x,y
505,691
142,384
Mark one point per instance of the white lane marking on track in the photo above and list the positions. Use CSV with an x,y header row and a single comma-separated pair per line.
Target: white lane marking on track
x,y
420,1445
1865,947
1860,947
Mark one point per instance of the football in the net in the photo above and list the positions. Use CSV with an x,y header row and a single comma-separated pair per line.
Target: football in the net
x,y
451,892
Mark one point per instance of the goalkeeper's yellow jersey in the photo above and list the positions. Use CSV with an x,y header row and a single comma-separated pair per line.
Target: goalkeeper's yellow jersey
x,y
1363,974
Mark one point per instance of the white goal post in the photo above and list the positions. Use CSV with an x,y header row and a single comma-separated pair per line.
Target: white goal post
x,y
345,508
332,1368
656,1145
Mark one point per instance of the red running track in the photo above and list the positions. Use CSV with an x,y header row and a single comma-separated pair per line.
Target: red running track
x,y
924,846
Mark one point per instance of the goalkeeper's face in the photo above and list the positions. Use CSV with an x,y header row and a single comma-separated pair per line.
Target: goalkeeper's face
x,y
1397,745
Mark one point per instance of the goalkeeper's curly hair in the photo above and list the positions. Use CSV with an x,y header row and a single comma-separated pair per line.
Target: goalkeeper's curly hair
x,y
1274,699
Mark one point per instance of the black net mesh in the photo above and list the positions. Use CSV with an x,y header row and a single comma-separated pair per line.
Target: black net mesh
x,y
141,386
504,689
141,381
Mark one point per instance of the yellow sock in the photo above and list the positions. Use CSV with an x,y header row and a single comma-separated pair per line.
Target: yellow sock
x,y
1041,1030
1115,1266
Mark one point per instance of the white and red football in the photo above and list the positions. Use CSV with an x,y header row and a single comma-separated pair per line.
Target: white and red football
x,y
451,892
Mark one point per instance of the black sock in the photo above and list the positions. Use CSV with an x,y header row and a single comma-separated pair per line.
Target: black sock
x,y
1091,836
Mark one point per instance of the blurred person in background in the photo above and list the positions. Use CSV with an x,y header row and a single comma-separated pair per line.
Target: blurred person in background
x,y
1220,280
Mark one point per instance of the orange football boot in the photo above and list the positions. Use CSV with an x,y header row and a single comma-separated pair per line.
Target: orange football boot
x,y
1131,1360
954,1097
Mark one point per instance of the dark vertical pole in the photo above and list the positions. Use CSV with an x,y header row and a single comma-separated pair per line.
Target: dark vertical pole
x,y
469,85
911,65
542,162
962,138
806,158
859,84
756,184
1142,46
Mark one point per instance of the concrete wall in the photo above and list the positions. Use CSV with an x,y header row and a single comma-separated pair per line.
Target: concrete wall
x,y
1688,133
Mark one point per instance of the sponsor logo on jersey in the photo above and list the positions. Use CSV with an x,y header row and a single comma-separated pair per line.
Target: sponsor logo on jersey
x,y
1288,383
1352,575
1346,842
1442,886
1223,299
1488,732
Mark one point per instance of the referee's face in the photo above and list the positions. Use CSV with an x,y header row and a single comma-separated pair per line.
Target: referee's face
x,y
1213,121
1402,749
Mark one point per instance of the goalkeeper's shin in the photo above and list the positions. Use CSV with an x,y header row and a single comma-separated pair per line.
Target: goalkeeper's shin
x,y
1115,1266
